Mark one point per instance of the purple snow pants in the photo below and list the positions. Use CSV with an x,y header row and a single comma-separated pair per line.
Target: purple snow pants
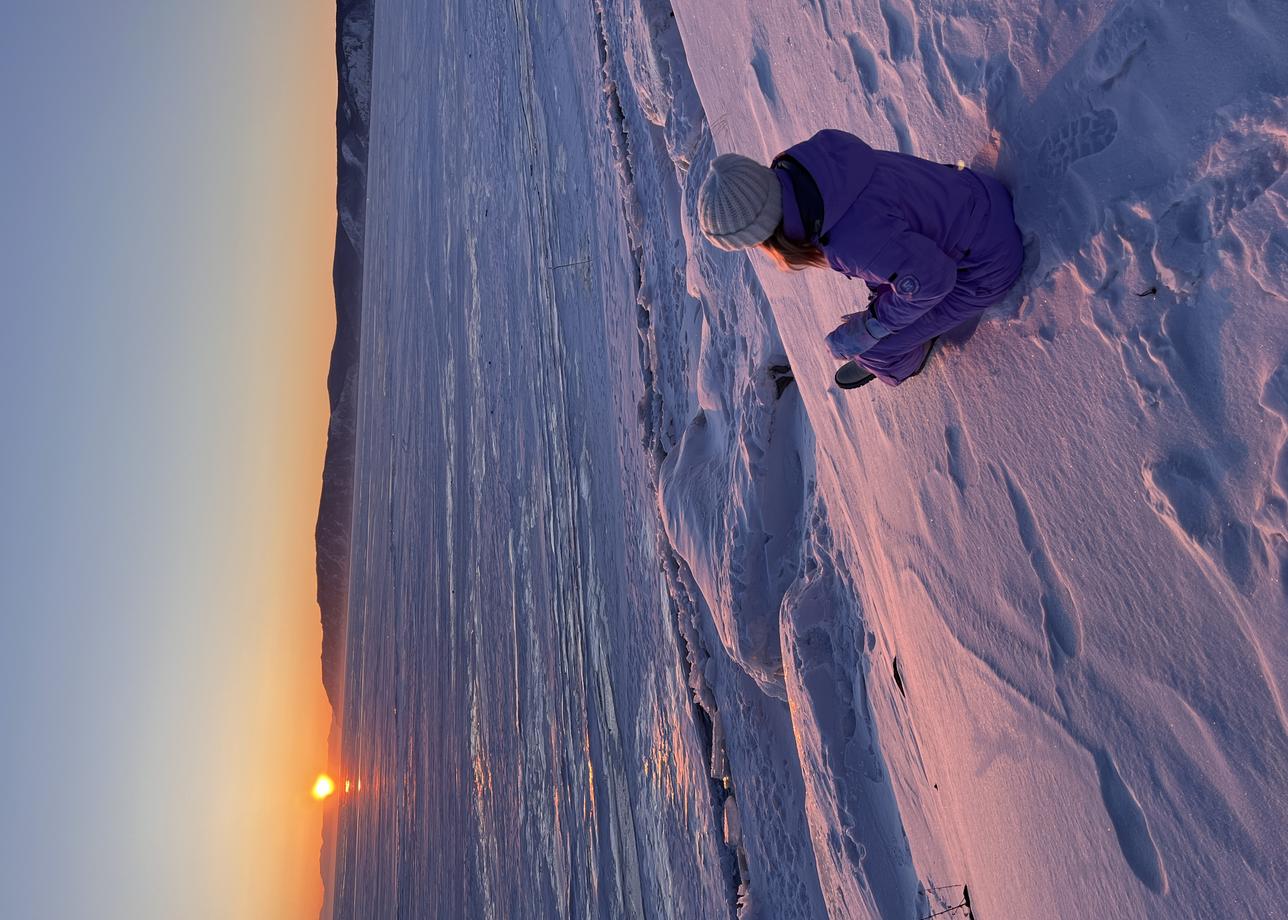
x,y
983,280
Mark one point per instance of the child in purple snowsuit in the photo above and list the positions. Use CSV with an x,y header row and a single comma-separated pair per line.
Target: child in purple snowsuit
x,y
937,244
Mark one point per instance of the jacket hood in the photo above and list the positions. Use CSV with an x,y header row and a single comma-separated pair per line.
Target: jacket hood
x,y
840,164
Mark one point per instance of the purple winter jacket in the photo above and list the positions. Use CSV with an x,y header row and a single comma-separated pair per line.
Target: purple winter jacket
x,y
923,230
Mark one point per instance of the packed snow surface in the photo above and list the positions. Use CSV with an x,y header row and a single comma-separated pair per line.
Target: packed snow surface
x,y
1017,624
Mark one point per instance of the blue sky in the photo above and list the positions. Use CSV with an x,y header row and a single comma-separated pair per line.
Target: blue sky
x,y
168,192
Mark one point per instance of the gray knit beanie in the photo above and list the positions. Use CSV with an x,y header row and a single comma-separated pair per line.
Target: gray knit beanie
x,y
740,202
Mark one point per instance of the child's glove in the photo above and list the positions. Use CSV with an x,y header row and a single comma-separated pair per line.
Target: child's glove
x,y
856,335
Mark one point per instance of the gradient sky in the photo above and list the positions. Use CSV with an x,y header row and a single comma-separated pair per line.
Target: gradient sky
x,y
167,223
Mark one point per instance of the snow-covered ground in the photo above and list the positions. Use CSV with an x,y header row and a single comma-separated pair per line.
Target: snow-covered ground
x,y
1018,624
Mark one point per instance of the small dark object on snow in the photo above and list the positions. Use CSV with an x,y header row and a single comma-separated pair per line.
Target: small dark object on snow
x,y
898,678
782,376
1151,291
970,915
952,910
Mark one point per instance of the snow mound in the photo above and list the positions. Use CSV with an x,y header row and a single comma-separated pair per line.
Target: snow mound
x,y
859,842
731,501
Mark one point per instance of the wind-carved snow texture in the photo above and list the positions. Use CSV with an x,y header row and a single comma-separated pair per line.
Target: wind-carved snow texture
x,y
1130,825
1059,612
859,842
1017,624
723,420
1273,516
658,138
731,509
764,75
1073,528
865,62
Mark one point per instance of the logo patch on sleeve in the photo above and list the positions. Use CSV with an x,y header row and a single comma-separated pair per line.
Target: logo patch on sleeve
x,y
907,284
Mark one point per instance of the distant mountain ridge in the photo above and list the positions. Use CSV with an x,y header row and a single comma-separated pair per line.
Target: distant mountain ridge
x,y
354,27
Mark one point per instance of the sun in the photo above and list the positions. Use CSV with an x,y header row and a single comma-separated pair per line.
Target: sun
x,y
323,786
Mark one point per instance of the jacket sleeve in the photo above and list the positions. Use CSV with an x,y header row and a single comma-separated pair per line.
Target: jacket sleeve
x,y
918,275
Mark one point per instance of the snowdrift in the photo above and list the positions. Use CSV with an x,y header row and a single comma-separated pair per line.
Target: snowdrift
x,y
1018,624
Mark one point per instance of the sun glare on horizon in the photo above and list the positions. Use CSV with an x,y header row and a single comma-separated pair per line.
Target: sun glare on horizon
x,y
323,786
